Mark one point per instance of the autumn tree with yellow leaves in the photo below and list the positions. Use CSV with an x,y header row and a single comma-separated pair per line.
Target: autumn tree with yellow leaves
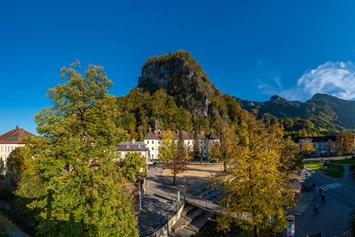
x,y
254,183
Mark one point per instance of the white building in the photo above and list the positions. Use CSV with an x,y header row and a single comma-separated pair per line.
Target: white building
x,y
138,147
10,140
153,141
323,145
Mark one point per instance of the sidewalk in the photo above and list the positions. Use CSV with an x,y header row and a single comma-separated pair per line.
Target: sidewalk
x,y
305,199
303,204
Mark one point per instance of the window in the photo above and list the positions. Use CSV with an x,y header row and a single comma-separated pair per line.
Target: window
x,y
152,156
188,142
152,148
158,142
147,142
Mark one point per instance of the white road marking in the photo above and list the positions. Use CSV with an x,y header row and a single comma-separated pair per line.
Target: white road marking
x,y
330,186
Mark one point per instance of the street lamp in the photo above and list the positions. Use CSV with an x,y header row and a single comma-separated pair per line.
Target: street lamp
x,y
306,181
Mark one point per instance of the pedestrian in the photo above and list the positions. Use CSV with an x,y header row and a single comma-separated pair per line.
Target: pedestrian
x,y
313,185
320,191
310,186
315,209
323,198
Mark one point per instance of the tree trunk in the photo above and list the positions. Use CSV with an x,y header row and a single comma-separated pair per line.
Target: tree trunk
x,y
225,166
200,160
174,179
256,231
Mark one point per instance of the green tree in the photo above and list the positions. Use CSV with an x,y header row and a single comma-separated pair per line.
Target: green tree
x,y
132,164
74,182
18,161
307,148
345,142
254,185
196,149
2,168
174,154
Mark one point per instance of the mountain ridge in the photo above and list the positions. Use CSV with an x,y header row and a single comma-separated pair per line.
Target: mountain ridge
x,y
174,92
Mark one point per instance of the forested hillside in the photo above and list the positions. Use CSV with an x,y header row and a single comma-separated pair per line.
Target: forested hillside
x,y
174,92
322,114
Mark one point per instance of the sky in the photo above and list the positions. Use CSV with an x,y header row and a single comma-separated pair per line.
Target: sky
x,y
249,49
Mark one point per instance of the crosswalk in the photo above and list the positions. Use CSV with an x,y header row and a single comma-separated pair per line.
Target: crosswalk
x,y
330,186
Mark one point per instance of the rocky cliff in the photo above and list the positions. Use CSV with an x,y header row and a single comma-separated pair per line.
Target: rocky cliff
x,y
183,78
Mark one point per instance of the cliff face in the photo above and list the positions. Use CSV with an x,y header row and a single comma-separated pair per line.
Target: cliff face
x,y
183,78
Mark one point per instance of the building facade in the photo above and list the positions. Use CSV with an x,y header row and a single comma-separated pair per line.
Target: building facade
x,y
153,140
323,145
138,147
10,140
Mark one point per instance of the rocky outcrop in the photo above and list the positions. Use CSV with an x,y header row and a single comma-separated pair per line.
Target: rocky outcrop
x,y
183,78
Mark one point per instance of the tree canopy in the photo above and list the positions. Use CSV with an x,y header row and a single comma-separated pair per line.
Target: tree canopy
x,y
174,154
307,148
132,164
345,142
18,161
254,182
73,181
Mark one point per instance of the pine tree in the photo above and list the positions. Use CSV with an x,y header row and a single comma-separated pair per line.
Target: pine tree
x,y
73,182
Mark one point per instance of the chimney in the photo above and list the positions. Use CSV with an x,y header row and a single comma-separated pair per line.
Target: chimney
x,y
16,127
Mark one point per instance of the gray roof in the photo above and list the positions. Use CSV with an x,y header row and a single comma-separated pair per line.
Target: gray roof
x,y
132,146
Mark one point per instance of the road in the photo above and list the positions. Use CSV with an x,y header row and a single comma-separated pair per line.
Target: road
x,y
333,216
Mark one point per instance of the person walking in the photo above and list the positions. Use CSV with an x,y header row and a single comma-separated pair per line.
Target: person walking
x,y
323,198
320,191
313,185
315,209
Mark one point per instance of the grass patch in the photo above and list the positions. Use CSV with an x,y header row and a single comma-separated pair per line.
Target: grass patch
x,y
335,171
314,165
344,161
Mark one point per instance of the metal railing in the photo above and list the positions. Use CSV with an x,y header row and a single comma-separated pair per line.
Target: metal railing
x,y
166,215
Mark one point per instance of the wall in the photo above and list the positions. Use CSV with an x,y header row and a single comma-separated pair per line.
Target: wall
x,y
5,150
166,229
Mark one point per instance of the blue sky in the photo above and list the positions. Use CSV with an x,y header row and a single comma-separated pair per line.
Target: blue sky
x,y
249,49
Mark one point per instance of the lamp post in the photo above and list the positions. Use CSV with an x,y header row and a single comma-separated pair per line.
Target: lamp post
x,y
306,181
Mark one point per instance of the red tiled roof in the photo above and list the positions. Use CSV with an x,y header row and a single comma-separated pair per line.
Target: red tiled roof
x,y
213,136
150,135
14,136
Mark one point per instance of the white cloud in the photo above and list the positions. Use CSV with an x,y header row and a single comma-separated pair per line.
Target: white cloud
x,y
334,78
